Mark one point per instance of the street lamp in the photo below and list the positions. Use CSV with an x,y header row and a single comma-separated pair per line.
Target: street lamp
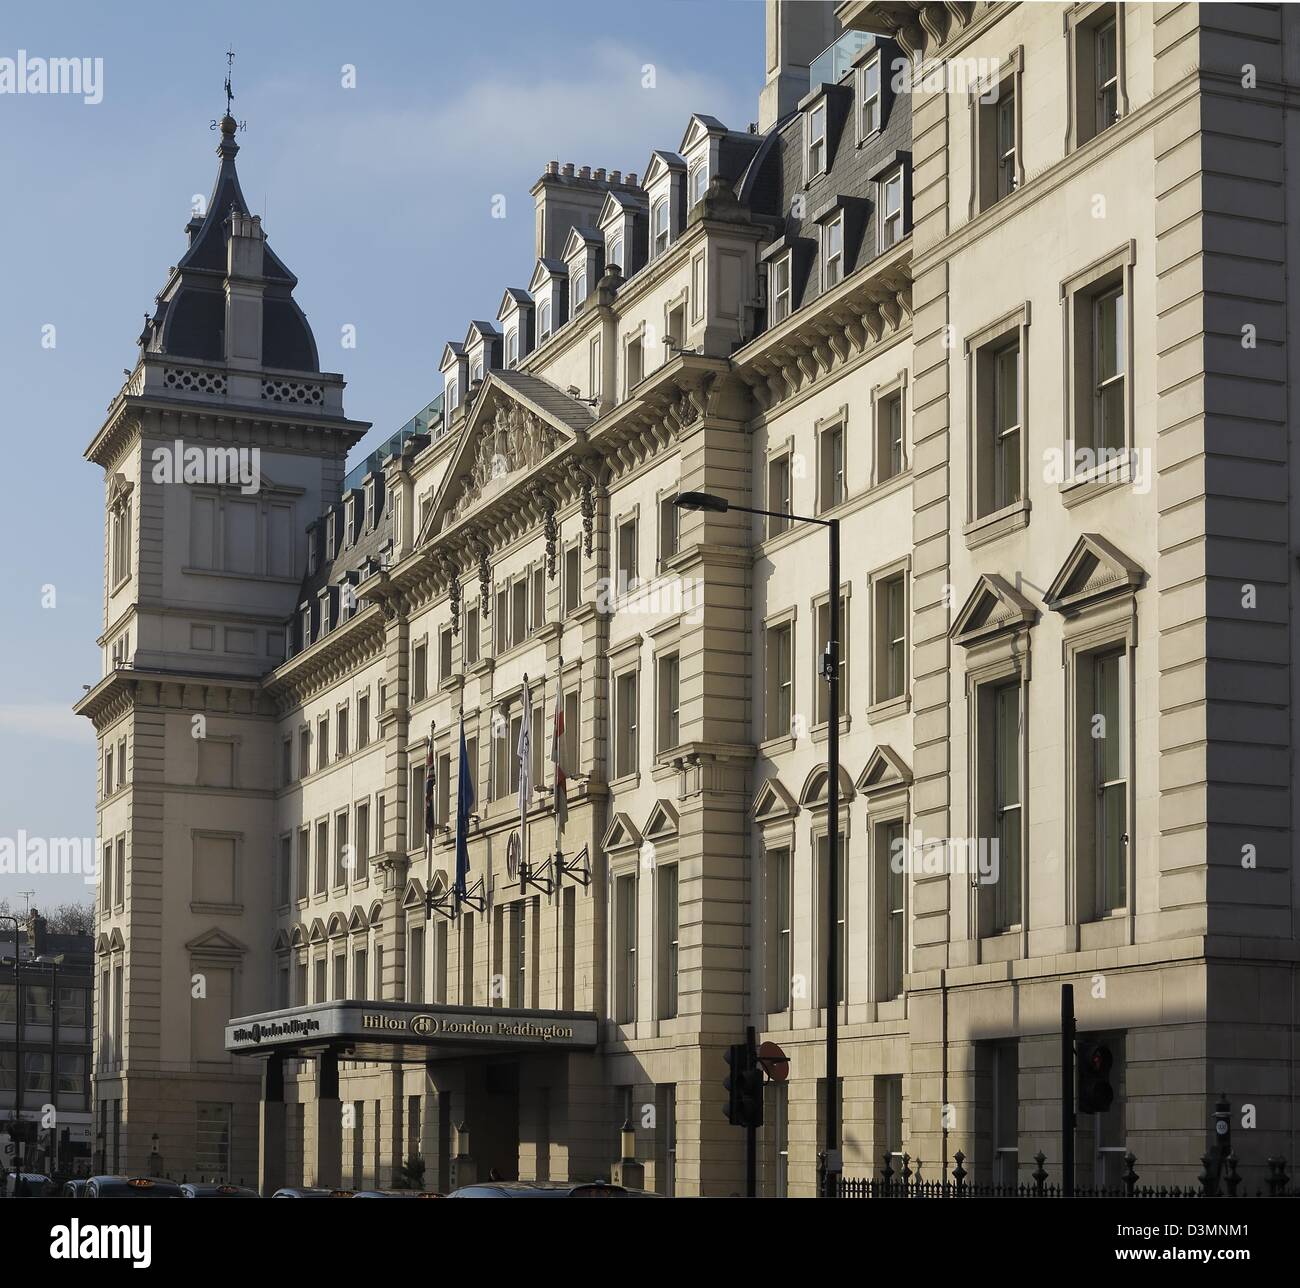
x,y
710,503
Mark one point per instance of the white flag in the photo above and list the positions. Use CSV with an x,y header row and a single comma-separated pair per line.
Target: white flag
x,y
525,758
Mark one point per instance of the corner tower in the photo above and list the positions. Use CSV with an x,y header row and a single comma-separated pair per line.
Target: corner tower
x,y
224,443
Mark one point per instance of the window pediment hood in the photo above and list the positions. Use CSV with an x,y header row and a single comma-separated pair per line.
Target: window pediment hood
x,y
621,835
216,942
773,803
993,608
885,771
1095,570
813,794
517,422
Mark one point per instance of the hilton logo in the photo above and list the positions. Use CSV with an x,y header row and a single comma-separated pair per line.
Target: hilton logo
x,y
277,1029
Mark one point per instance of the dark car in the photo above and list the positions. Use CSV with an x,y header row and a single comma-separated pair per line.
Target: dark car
x,y
74,1189
130,1187
310,1192
397,1194
541,1190
29,1185
194,1190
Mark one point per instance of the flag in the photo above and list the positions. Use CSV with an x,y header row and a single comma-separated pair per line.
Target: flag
x,y
523,751
430,781
557,744
464,806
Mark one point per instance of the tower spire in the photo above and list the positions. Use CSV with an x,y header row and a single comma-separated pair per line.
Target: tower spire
x,y
230,67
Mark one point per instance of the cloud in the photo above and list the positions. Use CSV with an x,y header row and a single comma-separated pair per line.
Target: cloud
x,y
499,124
48,722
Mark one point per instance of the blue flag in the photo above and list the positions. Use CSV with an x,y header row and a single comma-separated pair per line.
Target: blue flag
x,y
464,807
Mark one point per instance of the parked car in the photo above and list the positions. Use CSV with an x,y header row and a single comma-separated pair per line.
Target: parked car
x,y
196,1190
130,1187
541,1190
311,1192
74,1189
397,1194
29,1185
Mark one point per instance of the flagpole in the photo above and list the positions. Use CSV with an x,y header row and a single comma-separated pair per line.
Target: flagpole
x,y
428,831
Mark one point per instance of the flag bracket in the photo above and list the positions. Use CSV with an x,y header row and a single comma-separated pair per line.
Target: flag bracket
x,y
473,897
444,904
578,867
539,878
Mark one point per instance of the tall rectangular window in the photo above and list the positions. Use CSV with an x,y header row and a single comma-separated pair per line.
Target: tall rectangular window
x,y
669,733
285,873
625,960
304,862
668,924
816,154
778,661
626,744
889,436
778,289
891,638
1108,349
470,644
519,610
363,720
415,966
322,857
322,742
419,673
572,578
869,97
444,654
891,210
467,959
627,556
1105,76
821,686
830,449
823,920
1004,711
833,253
1107,726
776,903
341,733
1006,1112
668,529
893,918
361,843
778,494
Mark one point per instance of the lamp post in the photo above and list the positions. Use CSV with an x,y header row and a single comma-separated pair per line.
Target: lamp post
x,y
713,504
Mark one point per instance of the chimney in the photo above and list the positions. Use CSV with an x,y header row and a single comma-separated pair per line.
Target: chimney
x,y
796,34
567,171
36,929
244,288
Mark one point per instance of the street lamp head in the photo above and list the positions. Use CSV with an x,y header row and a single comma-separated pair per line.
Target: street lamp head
x,y
701,501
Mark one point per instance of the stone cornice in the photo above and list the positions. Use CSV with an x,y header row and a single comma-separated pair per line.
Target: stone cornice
x,y
126,687
328,660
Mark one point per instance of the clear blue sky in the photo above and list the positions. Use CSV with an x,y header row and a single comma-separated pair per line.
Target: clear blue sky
x,y
378,198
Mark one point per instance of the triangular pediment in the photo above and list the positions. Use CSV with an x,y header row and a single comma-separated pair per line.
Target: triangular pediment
x,y
885,770
700,128
662,823
116,943
280,944
298,936
813,794
414,896
357,920
119,486
773,803
578,240
514,299
1096,569
618,205
661,163
216,942
621,835
518,422
452,353
544,270
994,607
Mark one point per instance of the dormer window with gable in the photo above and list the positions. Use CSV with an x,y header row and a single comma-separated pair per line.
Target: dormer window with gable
x,y
579,280
516,318
455,374
544,320
370,503
476,372
331,538
665,183
614,251
549,287
452,394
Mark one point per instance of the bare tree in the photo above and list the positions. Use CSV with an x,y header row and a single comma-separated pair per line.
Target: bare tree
x,y
71,919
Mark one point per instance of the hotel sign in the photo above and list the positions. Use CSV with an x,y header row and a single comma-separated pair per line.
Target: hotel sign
x,y
372,1026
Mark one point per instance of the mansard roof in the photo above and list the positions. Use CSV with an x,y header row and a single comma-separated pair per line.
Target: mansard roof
x,y
189,320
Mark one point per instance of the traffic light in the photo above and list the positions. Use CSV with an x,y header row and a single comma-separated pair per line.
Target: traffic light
x,y
1094,1064
744,1086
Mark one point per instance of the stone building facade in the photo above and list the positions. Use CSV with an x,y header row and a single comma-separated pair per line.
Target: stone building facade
x,y
975,283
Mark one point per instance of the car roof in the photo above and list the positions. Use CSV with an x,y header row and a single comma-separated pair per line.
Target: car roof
x,y
539,1189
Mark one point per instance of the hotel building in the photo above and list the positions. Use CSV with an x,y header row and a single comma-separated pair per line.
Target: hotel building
x,y
1002,288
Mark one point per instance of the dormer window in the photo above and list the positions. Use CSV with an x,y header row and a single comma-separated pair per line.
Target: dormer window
x,y
699,182
579,286
312,537
816,159
779,291
869,120
614,253
659,223
543,319
833,252
354,517
306,625
891,205
453,395
331,538
476,371
512,349
370,503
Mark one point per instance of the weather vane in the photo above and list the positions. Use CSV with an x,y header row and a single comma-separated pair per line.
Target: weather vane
x,y
230,66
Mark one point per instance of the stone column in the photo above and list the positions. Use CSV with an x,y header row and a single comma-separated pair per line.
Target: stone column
x,y
271,1132
327,1119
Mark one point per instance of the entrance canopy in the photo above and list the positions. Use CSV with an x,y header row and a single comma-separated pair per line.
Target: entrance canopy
x,y
408,1031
